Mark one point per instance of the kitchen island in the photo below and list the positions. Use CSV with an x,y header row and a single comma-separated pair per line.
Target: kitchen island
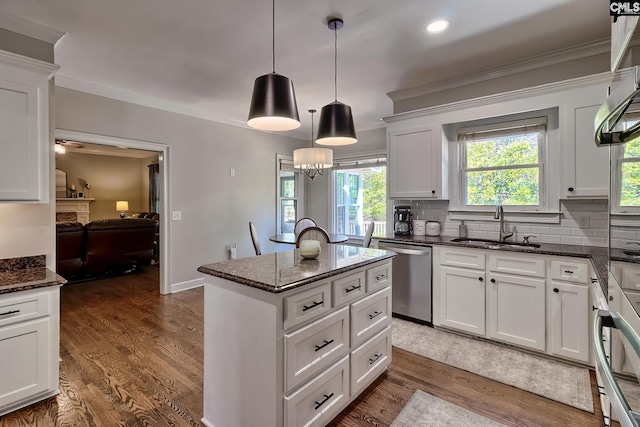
x,y
291,342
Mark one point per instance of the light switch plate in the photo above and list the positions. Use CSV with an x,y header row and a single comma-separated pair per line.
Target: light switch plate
x,y
583,222
176,215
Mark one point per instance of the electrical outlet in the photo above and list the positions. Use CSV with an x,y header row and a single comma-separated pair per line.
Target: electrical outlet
x,y
176,215
583,222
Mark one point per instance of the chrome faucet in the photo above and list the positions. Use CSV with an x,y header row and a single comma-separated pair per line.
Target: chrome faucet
x,y
500,215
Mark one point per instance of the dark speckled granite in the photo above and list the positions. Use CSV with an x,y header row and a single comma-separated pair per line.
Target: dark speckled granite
x,y
21,274
599,255
282,271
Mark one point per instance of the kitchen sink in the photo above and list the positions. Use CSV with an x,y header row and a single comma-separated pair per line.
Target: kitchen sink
x,y
495,243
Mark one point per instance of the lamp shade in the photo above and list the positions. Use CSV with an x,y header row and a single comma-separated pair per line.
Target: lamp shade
x,y
273,104
122,205
308,158
336,125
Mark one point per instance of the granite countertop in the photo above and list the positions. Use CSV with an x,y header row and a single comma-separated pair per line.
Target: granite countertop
x,y
598,255
282,271
24,273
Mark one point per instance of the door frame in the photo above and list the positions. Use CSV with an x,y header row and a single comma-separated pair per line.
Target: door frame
x,y
163,156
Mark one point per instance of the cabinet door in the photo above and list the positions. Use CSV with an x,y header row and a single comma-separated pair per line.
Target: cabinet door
x,y
24,361
516,310
586,166
462,299
569,315
414,163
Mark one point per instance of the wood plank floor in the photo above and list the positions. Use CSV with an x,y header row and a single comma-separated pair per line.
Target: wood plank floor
x,y
132,357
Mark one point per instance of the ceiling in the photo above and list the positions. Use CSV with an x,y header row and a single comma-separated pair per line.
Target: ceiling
x,y
205,55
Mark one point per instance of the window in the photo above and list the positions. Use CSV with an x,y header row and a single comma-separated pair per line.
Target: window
x,y
359,196
290,202
627,178
503,163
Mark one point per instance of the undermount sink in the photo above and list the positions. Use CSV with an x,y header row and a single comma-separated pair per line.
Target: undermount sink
x,y
495,243
632,253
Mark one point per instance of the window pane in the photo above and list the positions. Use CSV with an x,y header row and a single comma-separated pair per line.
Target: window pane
x,y
512,150
505,186
287,184
361,197
631,149
288,214
630,193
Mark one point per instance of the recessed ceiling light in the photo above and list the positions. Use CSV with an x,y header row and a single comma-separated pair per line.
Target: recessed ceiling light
x,y
437,26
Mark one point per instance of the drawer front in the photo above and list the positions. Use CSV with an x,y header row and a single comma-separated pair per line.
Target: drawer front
x,y
370,360
306,305
521,265
369,316
319,401
313,347
20,306
378,277
570,271
349,288
462,258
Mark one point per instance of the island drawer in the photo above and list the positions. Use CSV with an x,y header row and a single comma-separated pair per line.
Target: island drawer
x,y
21,306
348,288
313,347
370,360
306,305
462,258
570,270
319,401
370,315
378,277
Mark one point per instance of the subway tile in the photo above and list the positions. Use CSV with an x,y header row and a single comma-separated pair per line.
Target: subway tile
x,y
595,241
540,230
548,239
571,240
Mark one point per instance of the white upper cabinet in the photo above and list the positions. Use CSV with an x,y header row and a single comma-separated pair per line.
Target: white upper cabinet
x,y
416,163
585,166
24,128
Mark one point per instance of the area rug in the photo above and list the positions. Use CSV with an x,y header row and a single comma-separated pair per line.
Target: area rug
x,y
552,379
425,410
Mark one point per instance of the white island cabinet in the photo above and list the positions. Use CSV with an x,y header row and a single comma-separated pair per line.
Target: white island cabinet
x,y
291,342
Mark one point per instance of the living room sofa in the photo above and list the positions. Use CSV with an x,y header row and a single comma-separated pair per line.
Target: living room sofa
x,y
104,247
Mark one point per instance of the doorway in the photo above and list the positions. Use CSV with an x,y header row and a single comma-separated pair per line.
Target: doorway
x,y
162,152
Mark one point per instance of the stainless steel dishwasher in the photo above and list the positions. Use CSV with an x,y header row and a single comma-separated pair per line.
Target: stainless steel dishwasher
x,y
411,294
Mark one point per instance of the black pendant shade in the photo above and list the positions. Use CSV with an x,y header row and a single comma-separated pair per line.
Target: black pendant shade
x,y
336,125
273,104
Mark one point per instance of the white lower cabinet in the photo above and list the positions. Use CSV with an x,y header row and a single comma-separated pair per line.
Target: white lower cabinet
x,y
29,347
516,310
462,299
533,301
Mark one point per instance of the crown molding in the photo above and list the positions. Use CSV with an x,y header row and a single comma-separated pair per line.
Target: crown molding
x,y
600,78
27,63
555,57
30,29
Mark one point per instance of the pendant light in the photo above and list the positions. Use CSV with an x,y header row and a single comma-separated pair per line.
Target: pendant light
x,y
336,122
273,104
312,161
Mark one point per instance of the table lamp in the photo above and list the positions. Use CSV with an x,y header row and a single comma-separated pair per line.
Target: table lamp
x,y
122,205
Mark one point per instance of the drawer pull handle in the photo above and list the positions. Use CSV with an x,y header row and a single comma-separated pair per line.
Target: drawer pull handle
x,y
309,307
594,280
321,346
326,398
10,312
568,271
374,315
594,308
353,288
382,277
374,358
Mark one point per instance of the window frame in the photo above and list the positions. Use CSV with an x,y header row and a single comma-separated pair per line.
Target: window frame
x,y
332,199
548,209
299,184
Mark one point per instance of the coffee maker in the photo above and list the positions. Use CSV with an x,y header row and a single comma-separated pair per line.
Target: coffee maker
x,y
402,221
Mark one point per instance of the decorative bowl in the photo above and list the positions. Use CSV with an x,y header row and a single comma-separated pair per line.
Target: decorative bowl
x,y
309,249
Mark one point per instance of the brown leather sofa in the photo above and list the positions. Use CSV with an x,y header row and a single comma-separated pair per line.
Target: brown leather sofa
x,y
108,247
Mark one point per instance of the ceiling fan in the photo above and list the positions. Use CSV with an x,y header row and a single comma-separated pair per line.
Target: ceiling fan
x,y
61,145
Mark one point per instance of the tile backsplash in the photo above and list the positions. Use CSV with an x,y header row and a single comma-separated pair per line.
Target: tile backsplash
x,y
566,232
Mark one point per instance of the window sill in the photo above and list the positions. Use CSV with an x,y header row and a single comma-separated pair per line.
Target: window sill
x,y
527,216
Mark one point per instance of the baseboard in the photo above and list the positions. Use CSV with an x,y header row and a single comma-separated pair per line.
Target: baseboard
x,y
189,284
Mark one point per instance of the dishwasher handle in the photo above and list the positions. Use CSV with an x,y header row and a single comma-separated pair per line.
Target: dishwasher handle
x,y
404,251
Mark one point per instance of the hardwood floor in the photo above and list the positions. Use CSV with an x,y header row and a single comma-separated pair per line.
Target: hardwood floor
x,y
132,357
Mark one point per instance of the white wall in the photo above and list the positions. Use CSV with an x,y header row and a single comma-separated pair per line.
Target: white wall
x,y
216,208
29,229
